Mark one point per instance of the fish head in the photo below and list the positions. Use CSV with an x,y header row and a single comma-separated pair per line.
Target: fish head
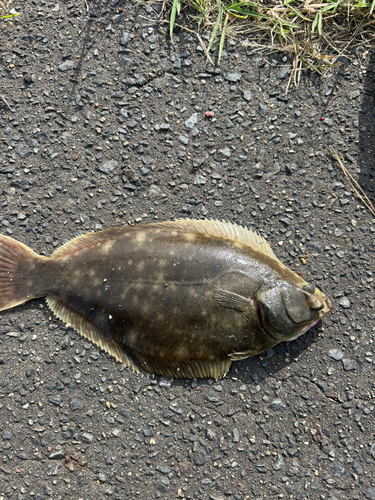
x,y
287,311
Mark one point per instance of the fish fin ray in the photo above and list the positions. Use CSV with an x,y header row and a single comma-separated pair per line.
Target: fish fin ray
x,y
16,263
90,331
225,230
237,356
85,241
175,369
231,300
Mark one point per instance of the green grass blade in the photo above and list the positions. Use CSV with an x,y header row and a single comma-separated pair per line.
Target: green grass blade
x,y
10,15
238,12
176,7
239,4
320,24
315,22
372,7
289,25
217,23
282,32
202,5
200,20
222,38
299,14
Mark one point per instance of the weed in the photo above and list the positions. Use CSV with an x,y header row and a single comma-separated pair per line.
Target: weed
x,y
315,33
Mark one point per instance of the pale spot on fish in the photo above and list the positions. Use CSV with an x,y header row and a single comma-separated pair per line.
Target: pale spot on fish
x,y
140,266
181,351
130,338
106,246
190,237
141,237
130,262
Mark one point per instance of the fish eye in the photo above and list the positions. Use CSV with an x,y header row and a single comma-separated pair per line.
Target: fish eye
x,y
315,304
309,288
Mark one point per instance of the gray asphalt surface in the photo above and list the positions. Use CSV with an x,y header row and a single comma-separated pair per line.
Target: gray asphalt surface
x,y
108,126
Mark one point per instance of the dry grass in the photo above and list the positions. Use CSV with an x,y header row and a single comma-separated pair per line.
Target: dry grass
x,y
316,33
354,184
5,6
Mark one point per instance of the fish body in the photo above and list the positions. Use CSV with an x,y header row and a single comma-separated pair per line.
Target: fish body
x,y
180,299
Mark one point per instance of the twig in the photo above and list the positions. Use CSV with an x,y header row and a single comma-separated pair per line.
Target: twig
x,y
205,49
2,98
354,184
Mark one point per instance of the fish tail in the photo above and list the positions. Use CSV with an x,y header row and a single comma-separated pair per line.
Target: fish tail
x,y
17,261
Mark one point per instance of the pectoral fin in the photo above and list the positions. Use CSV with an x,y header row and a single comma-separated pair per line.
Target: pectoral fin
x,y
232,300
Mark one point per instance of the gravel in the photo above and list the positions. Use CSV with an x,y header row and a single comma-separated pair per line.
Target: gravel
x,y
344,302
114,125
336,354
108,167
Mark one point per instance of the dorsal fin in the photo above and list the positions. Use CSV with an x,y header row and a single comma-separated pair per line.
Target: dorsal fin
x,y
225,230
85,241
216,228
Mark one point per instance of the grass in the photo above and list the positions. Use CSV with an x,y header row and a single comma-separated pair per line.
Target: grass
x,y
10,15
316,32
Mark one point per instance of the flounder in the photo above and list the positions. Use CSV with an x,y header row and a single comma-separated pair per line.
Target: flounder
x,y
179,299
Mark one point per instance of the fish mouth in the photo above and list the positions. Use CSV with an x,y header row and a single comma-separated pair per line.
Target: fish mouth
x,y
307,328
327,306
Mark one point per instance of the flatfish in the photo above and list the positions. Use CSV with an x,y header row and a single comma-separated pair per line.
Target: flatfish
x,y
180,299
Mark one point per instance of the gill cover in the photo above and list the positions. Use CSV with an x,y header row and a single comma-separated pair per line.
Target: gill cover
x,y
286,311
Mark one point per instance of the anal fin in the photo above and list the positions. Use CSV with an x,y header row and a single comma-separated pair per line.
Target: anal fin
x,y
89,330
175,369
